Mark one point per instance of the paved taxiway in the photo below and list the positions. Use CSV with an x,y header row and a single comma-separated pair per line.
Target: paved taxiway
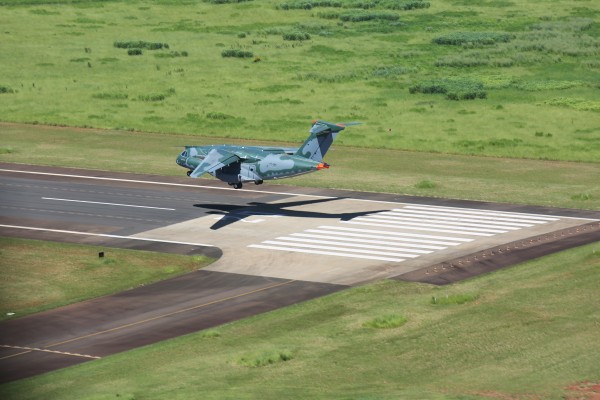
x,y
280,245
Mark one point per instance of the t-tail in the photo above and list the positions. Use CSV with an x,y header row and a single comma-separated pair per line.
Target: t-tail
x,y
321,137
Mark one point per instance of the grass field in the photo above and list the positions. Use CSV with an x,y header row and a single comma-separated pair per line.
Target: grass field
x,y
535,64
68,273
548,183
526,332
495,100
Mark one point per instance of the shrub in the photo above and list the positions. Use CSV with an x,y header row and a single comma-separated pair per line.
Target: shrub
x,y
309,5
218,116
237,53
364,16
481,38
6,89
152,97
265,358
134,52
110,96
299,36
140,44
460,89
386,322
425,184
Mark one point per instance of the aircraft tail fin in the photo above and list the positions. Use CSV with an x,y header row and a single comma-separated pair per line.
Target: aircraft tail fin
x,y
321,137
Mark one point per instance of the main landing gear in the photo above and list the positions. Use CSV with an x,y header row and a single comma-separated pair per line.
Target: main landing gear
x,y
236,185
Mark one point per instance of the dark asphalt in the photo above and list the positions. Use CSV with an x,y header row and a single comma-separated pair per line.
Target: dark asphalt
x,y
96,328
200,300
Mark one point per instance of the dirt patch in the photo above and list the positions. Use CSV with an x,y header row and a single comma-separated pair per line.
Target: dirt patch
x,y
585,390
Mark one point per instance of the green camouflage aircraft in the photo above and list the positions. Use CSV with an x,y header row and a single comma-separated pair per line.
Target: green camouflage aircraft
x,y
238,164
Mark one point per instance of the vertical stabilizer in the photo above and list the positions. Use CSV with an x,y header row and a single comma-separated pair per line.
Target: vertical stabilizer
x,y
321,137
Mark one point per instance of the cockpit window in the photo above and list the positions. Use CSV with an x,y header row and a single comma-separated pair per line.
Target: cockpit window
x,y
184,154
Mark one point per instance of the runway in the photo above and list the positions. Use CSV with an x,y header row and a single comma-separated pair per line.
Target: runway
x,y
278,245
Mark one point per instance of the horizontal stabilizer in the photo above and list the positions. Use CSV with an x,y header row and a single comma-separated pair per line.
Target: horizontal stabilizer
x,y
214,160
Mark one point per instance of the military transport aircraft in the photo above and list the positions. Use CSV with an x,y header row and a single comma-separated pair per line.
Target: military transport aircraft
x,y
238,164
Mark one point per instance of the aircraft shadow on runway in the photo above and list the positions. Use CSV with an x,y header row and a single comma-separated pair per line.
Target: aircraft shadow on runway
x,y
232,213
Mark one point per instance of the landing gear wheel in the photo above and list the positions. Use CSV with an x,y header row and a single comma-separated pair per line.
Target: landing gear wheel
x,y
237,185
189,173
258,182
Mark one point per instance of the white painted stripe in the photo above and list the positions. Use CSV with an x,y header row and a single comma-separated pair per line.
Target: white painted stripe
x,y
342,249
444,223
327,253
473,211
313,233
409,225
101,178
457,217
410,235
355,244
421,229
107,204
104,235
257,191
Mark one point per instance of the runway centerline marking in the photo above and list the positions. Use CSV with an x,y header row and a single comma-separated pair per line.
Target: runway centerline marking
x,y
107,204
101,178
171,313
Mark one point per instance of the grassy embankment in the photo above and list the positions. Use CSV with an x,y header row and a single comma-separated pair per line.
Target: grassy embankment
x,y
527,332
38,275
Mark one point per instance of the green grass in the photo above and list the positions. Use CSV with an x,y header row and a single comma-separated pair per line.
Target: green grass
x,y
531,332
38,275
537,61
547,183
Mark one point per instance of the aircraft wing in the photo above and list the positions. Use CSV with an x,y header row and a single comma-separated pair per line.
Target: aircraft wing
x,y
214,160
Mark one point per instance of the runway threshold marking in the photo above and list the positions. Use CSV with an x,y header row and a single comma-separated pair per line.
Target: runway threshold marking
x,y
30,349
31,228
108,204
172,313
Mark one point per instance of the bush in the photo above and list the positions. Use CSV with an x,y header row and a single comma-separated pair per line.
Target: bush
x,y
363,16
134,52
425,184
140,44
152,97
309,5
6,89
299,36
218,116
237,53
386,322
481,38
265,358
461,89
110,96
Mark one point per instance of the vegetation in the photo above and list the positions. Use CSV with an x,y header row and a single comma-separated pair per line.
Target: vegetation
x,y
531,332
68,273
547,183
337,60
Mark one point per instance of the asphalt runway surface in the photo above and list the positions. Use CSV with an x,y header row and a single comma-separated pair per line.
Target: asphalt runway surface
x,y
277,245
